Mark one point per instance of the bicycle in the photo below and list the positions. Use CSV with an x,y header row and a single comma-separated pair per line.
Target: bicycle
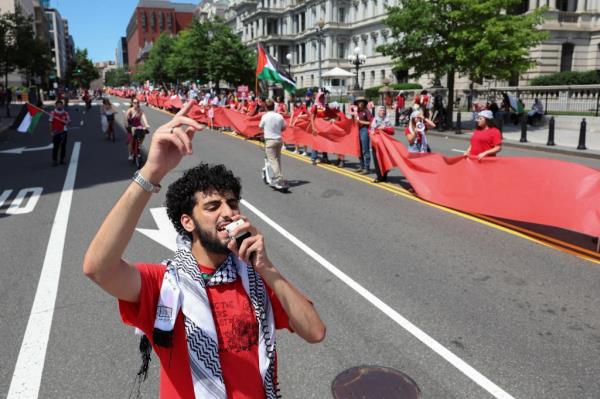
x,y
138,139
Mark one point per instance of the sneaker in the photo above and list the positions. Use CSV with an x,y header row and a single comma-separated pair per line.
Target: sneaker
x,y
364,172
342,163
295,152
130,157
306,154
314,162
359,170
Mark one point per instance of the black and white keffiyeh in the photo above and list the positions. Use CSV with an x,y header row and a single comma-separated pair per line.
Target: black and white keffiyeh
x,y
184,288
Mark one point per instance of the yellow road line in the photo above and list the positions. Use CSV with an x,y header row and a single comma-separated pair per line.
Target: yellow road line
x,y
508,228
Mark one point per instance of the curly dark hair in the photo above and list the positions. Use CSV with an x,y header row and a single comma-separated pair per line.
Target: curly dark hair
x,y
181,194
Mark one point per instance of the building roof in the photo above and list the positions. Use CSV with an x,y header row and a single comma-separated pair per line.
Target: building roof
x,y
179,7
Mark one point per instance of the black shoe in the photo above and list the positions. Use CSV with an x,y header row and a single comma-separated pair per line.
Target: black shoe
x,y
380,180
336,162
62,161
359,170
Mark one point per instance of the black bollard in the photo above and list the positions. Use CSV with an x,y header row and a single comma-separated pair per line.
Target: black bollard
x,y
458,131
581,145
523,128
551,132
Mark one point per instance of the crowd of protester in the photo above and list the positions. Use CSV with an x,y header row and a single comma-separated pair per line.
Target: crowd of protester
x,y
417,115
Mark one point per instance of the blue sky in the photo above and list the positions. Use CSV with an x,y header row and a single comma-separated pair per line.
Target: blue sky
x,y
98,24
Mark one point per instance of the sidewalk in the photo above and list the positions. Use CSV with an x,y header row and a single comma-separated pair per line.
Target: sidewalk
x,y
6,123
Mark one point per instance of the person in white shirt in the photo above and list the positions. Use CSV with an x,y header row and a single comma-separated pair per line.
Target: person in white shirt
x,y
272,125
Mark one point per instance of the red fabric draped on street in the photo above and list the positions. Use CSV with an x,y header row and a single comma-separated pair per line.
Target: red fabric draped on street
x,y
337,137
534,190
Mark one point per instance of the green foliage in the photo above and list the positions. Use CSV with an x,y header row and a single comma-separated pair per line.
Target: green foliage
x,y
155,66
82,71
205,51
117,77
567,78
475,38
471,37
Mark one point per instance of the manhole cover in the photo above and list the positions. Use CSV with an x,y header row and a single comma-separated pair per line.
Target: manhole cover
x,y
373,382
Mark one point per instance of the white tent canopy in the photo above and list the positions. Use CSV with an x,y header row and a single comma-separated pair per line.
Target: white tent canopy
x,y
338,73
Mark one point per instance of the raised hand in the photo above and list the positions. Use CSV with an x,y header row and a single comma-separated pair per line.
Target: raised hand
x,y
170,142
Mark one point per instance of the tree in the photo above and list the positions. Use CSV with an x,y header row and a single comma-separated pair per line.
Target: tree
x,y
117,77
227,57
83,71
476,38
155,66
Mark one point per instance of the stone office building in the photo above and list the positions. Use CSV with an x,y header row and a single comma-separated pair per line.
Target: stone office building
x,y
289,27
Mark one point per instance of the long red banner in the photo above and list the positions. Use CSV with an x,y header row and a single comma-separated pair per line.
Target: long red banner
x,y
534,190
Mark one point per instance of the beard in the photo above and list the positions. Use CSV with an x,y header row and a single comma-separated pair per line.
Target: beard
x,y
210,242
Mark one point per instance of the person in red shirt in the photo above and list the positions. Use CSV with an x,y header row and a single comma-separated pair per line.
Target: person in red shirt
x,y
400,104
211,312
486,140
59,119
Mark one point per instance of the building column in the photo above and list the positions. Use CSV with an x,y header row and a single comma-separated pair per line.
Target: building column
x,y
581,5
533,5
552,4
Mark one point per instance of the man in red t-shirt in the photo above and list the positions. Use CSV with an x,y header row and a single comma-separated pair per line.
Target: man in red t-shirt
x,y
59,119
486,140
211,313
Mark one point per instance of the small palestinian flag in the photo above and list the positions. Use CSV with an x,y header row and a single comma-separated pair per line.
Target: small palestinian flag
x,y
267,68
28,118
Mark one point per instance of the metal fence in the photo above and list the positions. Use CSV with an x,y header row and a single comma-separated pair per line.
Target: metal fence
x,y
556,99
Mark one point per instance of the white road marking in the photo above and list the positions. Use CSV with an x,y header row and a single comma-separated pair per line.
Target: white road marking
x,y
116,104
27,376
15,207
455,150
438,348
21,150
4,196
81,123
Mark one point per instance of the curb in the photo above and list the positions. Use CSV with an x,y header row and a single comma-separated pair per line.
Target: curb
x,y
593,154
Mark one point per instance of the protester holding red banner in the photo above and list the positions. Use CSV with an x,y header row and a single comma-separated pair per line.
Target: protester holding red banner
x,y
364,118
380,124
299,111
280,107
486,140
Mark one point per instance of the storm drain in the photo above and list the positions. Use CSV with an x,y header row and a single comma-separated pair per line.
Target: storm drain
x,y
374,382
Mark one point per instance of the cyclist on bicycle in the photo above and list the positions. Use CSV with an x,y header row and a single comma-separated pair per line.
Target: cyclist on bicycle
x,y
136,119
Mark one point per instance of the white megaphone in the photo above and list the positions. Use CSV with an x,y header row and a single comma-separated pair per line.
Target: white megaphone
x,y
421,127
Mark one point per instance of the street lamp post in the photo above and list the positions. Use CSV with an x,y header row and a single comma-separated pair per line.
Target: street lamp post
x,y
356,59
320,34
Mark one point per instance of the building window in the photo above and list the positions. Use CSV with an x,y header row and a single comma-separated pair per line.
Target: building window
x,y
301,81
312,80
382,74
372,78
144,22
342,15
362,79
566,57
161,21
303,52
341,50
402,75
170,21
153,21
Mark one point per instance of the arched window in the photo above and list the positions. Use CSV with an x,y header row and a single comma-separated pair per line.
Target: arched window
x,y
566,57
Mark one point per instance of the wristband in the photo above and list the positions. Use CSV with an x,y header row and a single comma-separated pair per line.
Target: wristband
x,y
145,184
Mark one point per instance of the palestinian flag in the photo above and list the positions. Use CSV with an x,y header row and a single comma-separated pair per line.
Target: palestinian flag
x,y
28,118
267,68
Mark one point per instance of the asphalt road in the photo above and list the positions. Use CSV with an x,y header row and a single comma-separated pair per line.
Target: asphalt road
x,y
446,293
